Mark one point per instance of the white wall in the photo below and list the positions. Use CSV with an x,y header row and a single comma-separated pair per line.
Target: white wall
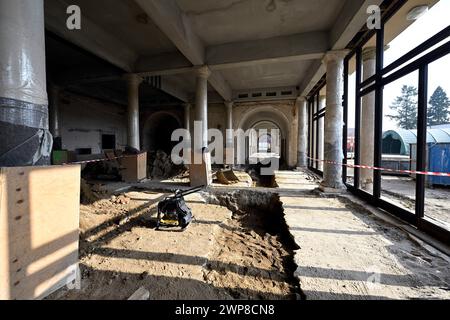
x,y
84,120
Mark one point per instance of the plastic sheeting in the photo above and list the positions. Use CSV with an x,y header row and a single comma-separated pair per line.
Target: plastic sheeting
x,y
23,113
22,51
25,138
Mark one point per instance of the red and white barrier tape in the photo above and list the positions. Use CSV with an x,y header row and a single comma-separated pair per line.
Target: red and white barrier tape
x,y
425,173
99,160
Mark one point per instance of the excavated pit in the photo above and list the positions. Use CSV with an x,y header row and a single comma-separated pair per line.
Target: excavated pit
x,y
257,242
238,247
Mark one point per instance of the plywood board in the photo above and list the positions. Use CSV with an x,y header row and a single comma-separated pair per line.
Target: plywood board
x,y
134,168
39,229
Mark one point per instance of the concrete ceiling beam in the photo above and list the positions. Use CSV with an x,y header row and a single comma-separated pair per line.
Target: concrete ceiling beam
x,y
175,24
298,47
174,90
221,86
312,77
167,63
91,37
352,18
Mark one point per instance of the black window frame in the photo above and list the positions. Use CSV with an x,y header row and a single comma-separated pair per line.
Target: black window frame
x,y
383,76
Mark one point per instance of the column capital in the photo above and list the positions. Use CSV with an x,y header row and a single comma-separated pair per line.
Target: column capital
x,y
133,78
228,104
203,72
369,53
301,99
335,55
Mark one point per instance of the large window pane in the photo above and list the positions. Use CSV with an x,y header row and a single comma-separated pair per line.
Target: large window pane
x,y
367,129
321,124
399,136
437,192
351,119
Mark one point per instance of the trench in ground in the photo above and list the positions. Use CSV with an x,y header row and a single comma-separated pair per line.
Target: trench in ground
x,y
257,242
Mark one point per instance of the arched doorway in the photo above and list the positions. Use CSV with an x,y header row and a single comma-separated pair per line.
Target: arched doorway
x,y
157,133
264,119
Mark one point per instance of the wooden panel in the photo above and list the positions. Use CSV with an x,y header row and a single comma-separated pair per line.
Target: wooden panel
x,y
134,168
39,223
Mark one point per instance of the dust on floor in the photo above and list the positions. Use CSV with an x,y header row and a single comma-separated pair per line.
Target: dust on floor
x,y
348,253
121,252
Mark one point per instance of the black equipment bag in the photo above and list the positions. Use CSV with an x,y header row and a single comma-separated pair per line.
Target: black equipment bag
x,y
175,207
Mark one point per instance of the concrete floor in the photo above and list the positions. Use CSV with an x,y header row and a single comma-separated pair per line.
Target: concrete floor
x,y
348,253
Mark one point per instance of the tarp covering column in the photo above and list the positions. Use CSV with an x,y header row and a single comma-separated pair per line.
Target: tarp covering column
x,y
25,138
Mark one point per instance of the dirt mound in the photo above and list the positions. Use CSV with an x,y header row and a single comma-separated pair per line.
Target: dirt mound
x,y
162,166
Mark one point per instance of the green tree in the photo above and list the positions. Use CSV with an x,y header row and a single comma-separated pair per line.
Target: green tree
x,y
405,106
438,112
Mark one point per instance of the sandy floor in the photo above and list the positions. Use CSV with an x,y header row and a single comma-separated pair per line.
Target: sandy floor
x,y
341,251
347,253
217,257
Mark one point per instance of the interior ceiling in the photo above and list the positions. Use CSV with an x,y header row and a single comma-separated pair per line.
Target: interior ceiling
x,y
215,22
266,75
64,58
67,64
127,22
224,21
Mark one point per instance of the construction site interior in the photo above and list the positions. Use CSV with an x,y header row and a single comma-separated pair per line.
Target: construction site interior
x,y
224,150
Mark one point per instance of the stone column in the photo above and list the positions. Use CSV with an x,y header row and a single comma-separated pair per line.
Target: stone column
x,y
229,137
187,126
133,82
187,116
55,130
24,124
201,105
200,170
367,120
302,139
321,137
332,173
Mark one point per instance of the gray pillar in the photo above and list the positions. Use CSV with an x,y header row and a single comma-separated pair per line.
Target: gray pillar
x,y
26,139
187,139
201,105
229,137
133,82
368,119
187,116
302,152
332,173
200,170
54,116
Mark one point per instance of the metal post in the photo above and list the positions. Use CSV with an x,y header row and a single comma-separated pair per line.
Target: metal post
x,y
421,140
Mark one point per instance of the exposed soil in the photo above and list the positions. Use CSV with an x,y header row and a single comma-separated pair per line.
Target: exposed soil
x,y
219,256
261,254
